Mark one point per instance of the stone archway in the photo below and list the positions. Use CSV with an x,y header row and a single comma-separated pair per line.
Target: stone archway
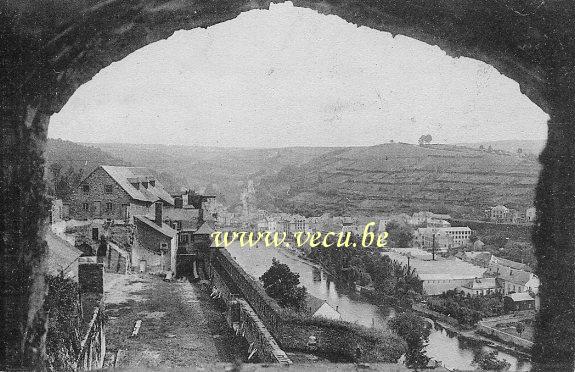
x,y
50,47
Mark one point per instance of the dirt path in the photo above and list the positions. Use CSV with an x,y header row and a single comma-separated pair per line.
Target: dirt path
x,y
181,326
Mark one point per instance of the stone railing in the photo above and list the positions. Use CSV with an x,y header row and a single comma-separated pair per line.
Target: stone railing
x,y
267,309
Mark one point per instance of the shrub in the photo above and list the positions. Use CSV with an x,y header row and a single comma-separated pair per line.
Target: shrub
x,y
62,308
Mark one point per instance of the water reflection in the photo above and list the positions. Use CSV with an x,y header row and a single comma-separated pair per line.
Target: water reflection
x,y
444,345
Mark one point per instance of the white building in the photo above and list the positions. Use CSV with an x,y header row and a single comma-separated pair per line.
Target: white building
x,y
480,287
439,275
530,214
316,307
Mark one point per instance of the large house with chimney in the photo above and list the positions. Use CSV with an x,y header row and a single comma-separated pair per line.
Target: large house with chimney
x,y
155,242
117,193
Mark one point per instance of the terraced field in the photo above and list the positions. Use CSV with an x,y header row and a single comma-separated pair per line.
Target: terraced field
x,y
393,177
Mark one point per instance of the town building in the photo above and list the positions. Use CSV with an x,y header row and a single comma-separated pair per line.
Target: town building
x,y
499,213
437,275
425,219
316,307
444,238
297,223
56,211
530,214
117,193
518,281
518,302
155,243
480,287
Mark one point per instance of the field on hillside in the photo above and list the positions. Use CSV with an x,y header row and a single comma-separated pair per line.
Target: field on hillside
x,y
392,177
402,177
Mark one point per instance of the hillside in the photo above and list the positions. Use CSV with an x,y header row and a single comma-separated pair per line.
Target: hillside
x,y
527,146
83,159
402,177
225,170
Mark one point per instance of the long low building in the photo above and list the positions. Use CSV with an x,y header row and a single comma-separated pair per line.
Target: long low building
x,y
439,275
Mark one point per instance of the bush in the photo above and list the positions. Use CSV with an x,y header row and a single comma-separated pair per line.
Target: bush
x,y
339,340
62,307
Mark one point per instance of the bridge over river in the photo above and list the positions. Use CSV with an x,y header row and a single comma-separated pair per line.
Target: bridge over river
x,y
452,351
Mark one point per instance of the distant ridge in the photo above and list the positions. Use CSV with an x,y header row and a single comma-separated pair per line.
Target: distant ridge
x,y
458,179
530,146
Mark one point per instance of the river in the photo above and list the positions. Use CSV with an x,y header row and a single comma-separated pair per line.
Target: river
x,y
454,352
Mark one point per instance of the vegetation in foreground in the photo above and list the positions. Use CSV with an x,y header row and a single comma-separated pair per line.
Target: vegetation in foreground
x,y
62,339
281,284
415,331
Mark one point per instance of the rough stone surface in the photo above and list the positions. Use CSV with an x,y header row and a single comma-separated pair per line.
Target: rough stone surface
x,y
48,48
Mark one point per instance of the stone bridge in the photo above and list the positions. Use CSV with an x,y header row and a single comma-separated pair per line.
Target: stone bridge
x,y
51,47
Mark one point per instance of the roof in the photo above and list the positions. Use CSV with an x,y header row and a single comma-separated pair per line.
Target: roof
x,y
440,269
165,229
481,283
180,214
523,296
313,303
500,208
125,176
444,276
509,263
61,255
205,228
517,277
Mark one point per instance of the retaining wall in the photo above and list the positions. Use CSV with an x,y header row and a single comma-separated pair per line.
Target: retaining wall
x,y
504,336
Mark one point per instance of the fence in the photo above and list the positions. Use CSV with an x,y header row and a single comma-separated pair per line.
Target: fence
x,y
93,345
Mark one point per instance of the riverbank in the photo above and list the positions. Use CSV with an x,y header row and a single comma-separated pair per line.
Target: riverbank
x,y
450,324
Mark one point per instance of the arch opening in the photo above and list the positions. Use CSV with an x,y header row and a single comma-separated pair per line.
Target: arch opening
x,y
521,46
273,82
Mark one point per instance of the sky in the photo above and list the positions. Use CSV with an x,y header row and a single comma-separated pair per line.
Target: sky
x,y
290,76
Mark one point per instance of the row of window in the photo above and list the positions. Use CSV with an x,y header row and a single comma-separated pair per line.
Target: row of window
x,y
108,207
108,189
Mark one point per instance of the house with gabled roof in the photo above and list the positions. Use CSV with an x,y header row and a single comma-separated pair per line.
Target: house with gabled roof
x,y
117,193
315,307
155,243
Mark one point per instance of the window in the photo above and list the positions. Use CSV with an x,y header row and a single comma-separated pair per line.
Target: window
x,y
86,188
109,207
108,189
184,238
85,206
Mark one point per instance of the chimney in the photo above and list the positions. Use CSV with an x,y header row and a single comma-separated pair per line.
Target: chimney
x,y
200,216
178,202
158,215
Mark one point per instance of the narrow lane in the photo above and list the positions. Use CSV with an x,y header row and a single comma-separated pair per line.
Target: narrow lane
x,y
180,326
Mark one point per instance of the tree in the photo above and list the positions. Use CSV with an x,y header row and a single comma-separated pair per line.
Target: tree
x,y
520,150
488,361
415,331
399,234
481,147
424,139
281,284
520,328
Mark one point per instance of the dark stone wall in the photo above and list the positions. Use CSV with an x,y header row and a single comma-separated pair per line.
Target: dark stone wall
x,y
48,48
97,181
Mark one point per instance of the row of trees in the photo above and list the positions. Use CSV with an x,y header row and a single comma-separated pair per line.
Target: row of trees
x,y
63,180
368,267
467,310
